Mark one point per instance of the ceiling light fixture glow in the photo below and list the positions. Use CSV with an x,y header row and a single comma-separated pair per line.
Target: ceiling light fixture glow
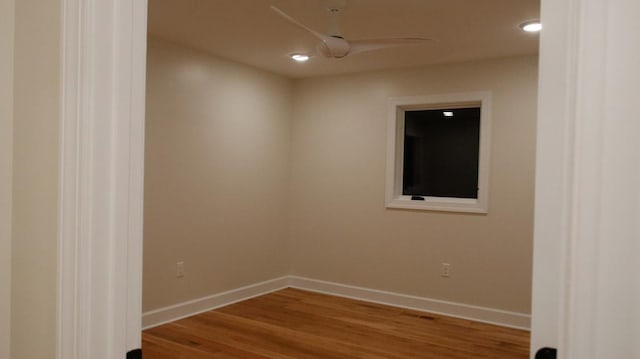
x,y
300,57
531,26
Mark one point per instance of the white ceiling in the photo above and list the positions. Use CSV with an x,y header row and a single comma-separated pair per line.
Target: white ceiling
x,y
247,31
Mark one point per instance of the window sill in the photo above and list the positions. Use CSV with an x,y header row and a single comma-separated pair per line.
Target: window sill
x,y
438,204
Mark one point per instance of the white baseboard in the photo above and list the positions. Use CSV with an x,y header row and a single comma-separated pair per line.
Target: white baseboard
x,y
481,314
172,313
452,309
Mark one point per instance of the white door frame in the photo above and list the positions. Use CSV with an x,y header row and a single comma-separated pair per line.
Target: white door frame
x,y
587,201
556,88
101,178
587,225
7,33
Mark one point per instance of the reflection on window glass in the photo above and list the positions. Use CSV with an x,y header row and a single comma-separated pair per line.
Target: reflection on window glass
x,y
441,152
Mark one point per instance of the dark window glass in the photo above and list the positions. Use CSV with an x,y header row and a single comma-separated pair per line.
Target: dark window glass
x,y
441,153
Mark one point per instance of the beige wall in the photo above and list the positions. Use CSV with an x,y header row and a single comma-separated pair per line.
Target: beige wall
x,y
35,178
216,175
340,230
217,183
6,153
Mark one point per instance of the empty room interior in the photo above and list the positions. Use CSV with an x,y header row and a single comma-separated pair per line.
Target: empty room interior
x,y
272,184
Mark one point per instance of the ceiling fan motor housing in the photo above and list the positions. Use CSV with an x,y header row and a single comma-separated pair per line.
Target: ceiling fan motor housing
x,y
333,46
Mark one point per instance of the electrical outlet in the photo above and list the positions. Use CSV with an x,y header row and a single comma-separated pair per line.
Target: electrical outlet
x,y
179,269
446,270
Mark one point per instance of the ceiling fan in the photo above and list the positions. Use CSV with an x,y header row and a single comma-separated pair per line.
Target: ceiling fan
x,y
334,45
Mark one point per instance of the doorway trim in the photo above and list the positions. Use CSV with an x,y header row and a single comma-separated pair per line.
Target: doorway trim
x,y
101,170
101,178
585,286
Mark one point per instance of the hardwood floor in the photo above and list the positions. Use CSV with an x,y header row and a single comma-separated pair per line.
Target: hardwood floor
x,y
298,324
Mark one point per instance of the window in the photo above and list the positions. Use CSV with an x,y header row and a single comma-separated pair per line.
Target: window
x,y
438,152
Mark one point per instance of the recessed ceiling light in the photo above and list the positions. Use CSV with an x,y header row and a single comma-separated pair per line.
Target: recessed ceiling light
x,y
531,26
300,57
447,113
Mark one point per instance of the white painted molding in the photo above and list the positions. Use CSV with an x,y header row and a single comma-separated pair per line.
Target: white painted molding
x,y
100,208
586,287
395,151
69,227
556,85
435,306
481,314
7,15
600,313
133,71
161,316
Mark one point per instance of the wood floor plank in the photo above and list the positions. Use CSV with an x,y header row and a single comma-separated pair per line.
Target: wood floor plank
x,y
298,324
155,347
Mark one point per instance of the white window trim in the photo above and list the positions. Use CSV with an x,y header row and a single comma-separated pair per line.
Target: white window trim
x,y
395,151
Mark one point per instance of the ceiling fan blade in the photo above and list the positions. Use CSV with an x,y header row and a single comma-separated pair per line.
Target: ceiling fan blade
x,y
320,36
377,44
333,46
